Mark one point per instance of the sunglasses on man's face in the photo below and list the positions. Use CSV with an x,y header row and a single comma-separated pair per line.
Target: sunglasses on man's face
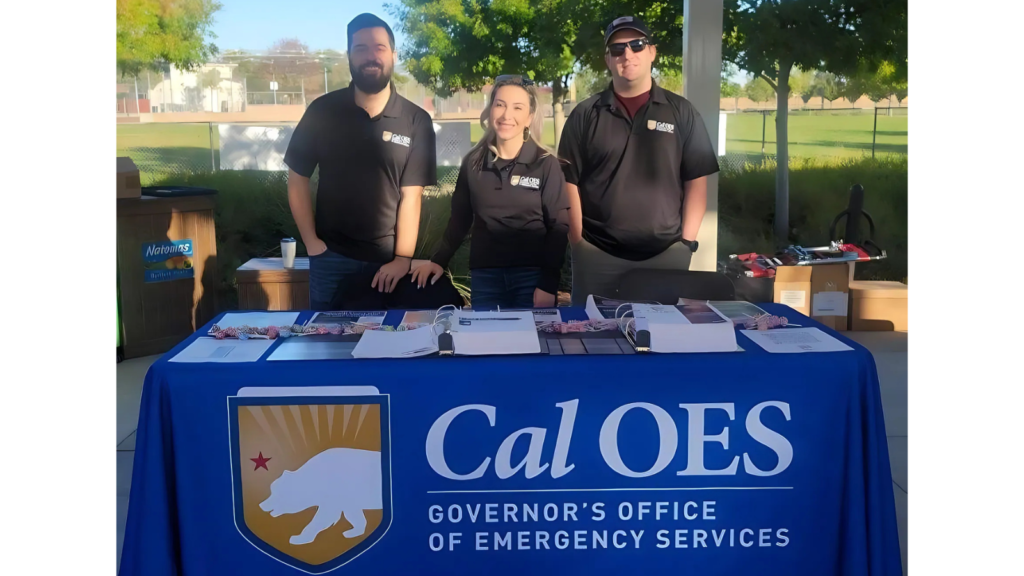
x,y
514,79
619,48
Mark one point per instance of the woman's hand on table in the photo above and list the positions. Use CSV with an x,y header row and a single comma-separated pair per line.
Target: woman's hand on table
x,y
426,271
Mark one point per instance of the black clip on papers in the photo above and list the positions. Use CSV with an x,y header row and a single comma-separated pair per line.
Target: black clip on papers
x,y
445,344
641,341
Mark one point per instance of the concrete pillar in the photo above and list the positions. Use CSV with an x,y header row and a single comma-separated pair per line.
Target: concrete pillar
x,y
702,73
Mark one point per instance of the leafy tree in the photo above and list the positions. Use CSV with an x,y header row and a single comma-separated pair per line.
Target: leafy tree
x,y
801,83
209,80
590,82
769,37
758,90
454,45
151,33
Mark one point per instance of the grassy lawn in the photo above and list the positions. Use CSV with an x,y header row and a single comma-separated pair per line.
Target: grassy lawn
x,y
164,149
813,135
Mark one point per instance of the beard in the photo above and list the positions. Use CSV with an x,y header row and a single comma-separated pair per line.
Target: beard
x,y
370,81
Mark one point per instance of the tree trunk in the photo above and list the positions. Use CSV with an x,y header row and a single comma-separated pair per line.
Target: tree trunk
x,y
782,157
557,95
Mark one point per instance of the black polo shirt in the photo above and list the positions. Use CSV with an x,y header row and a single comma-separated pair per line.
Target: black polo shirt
x,y
517,210
630,173
363,162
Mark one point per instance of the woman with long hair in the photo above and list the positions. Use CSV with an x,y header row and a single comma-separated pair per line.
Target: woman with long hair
x,y
509,192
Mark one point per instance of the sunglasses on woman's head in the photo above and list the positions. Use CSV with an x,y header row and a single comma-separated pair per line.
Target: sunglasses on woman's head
x,y
514,79
619,48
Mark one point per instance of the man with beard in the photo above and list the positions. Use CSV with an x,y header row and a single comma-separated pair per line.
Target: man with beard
x,y
376,152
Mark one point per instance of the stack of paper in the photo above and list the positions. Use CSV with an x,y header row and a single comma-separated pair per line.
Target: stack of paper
x,y
396,344
228,350
691,328
476,333
795,340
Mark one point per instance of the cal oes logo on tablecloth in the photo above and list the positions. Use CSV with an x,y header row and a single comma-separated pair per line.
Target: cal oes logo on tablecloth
x,y
311,472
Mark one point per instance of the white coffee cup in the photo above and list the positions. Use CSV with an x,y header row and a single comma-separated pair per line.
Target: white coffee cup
x,y
288,252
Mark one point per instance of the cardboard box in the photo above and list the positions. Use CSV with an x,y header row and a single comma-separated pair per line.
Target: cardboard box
x,y
830,295
821,292
793,288
129,182
878,306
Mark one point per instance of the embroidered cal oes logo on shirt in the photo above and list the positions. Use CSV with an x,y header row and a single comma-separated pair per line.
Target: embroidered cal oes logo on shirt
x,y
661,126
396,138
525,181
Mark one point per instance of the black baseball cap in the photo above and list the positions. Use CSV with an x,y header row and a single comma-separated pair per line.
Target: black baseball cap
x,y
368,20
626,23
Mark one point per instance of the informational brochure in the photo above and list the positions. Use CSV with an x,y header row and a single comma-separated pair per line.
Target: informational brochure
x,y
688,328
477,333
542,315
795,340
373,318
738,311
257,319
419,317
223,351
396,344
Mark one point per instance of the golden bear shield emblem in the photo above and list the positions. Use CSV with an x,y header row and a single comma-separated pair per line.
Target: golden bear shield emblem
x,y
311,473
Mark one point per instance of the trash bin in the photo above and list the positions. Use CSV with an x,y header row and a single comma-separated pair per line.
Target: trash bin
x,y
166,267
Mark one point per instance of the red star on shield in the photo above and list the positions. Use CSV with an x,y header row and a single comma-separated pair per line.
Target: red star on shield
x,y
261,462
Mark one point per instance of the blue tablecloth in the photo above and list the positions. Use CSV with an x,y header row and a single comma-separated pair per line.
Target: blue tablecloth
x,y
733,463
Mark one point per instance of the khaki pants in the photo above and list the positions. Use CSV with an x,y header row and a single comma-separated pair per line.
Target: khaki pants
x,y
596,272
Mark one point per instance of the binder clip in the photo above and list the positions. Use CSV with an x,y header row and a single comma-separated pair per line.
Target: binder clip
x,y
640,340
445,344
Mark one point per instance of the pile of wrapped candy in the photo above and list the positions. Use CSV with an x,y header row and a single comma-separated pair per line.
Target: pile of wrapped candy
x,y
765,321
274,332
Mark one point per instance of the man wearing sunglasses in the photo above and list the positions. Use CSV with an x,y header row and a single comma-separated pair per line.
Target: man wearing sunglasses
x,y
638,157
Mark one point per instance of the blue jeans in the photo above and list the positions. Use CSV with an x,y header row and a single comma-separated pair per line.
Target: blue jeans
x,y
330,271
505,287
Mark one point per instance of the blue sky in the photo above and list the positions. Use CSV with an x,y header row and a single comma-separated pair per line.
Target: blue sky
x,y
256,24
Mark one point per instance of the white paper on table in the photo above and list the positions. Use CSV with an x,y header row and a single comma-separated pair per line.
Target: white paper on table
x,y
672,331
542,315
396,344
212,350
338,317
257,319
476,333
795,340
829,304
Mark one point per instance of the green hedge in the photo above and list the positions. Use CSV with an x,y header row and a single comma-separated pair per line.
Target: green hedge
x,y
253,215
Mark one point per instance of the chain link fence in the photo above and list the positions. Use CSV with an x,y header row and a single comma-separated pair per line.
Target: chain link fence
x,y
820,134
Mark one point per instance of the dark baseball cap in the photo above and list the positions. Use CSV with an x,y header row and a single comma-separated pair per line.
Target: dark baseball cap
x,y
368,20
626,23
